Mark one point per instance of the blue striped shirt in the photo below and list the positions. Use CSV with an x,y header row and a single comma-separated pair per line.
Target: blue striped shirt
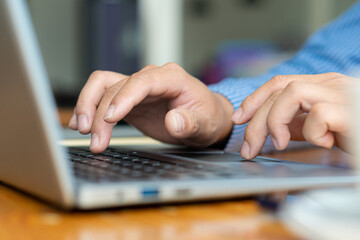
x,y
333,48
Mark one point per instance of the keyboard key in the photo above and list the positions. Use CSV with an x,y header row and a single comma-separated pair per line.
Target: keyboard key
x,y
112,165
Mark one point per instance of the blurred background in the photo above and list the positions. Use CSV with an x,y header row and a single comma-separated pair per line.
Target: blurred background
x,y
211,39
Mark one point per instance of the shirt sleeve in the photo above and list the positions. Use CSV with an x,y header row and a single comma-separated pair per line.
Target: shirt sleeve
x,y
333,48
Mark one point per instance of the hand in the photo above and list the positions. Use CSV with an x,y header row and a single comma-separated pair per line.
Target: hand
x,y
165,103
297,107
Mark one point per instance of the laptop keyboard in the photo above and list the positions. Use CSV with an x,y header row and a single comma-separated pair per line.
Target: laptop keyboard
x,y
113,165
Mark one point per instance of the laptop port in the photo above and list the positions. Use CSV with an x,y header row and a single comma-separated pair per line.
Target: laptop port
x,y
150,192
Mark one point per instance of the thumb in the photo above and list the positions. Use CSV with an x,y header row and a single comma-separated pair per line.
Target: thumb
x,y
185,125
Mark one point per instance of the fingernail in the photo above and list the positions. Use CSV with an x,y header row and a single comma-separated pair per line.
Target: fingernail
x,y
72,122
245,150
83,123
110,112
237,116
178,122
94,141
275,143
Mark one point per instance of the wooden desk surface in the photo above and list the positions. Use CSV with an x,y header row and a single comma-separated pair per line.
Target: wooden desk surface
x,y
23,217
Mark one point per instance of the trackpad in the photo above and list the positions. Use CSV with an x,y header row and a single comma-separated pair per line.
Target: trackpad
x,y
209,156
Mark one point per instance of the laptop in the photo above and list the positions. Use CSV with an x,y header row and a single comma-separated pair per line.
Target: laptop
x,y
33,161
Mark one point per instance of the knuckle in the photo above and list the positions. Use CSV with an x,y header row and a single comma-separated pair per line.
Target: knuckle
x,y
97,75
173,66
278,80
148,67
294,87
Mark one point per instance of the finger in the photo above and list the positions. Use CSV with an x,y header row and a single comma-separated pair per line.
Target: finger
x,y
101,130
73,121
163,81
189,127
256,131
90,97
252,103
325,119
296,96
296,126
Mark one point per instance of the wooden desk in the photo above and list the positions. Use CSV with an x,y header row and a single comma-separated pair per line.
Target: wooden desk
x,y
23,217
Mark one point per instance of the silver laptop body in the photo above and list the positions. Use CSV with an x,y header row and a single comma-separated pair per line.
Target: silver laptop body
x,y
33,160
